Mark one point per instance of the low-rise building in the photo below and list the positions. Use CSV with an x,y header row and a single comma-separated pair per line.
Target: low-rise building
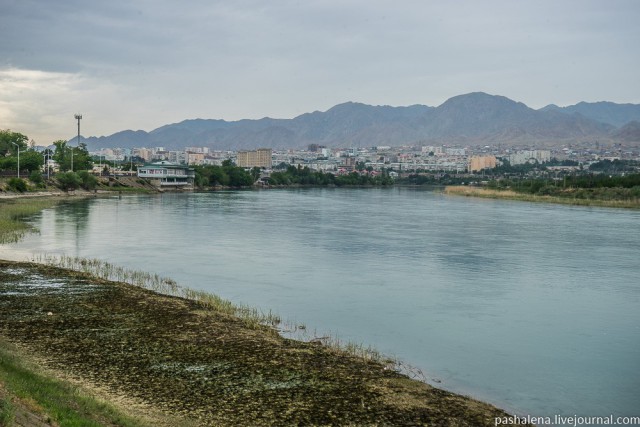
x,y
168,175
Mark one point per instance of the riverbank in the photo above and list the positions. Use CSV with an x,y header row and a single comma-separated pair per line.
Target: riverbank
x,y
177,358
569,197
103,185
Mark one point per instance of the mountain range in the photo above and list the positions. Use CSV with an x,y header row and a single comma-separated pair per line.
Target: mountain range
x,y
471,119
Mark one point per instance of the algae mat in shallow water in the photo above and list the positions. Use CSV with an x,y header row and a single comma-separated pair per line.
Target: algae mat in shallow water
x,y
206,366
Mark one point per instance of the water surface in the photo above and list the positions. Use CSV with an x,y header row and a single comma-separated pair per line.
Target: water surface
x,y
533,307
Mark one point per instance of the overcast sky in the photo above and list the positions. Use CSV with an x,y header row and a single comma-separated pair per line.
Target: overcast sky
x,y
140,64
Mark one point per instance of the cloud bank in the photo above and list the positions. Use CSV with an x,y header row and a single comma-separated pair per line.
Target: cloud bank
x,y
141,64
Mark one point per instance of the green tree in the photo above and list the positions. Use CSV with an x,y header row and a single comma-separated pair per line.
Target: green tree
x,y
81,158
218,176
238,177
7,138
31,160
255,173
64,155
8,163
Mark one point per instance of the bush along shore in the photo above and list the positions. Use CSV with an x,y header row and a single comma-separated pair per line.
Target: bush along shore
x,y
614,197
198,362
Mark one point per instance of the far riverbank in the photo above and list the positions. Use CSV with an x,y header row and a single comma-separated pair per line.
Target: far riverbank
x,y
570,197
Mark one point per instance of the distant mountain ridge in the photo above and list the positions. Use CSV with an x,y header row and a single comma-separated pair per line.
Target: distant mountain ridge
x,y
617,115
470,119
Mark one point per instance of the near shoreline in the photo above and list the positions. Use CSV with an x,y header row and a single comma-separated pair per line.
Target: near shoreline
x,y
179,358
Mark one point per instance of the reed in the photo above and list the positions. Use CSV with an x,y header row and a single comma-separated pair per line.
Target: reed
x,y
153,282
12,215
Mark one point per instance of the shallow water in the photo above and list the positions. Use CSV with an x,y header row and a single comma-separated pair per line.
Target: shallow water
x,y
530,306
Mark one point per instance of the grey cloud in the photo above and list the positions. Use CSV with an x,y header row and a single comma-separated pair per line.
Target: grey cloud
x,y
172,60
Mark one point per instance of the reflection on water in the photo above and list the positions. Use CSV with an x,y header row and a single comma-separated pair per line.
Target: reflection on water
x,y
530,306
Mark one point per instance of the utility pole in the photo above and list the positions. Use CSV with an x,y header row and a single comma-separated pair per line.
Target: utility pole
x,y
18,148
46,155
78,118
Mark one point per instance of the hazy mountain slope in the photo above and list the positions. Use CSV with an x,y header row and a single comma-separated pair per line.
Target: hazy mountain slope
x,y
474,118
605,112
629,132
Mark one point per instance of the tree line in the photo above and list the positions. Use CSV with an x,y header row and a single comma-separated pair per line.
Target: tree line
x,y
230,175
16,153
293,175
67,157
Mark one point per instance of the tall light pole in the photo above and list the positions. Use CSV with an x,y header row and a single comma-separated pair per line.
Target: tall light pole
x,y
78,118
47,156
18,147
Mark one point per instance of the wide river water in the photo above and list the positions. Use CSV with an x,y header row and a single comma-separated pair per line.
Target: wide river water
x,y
533,307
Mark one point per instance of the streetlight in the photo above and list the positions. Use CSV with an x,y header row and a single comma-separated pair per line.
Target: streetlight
x,y
18,147
78,118
47,156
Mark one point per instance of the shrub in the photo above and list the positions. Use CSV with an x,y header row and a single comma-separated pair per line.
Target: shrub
x,y
17,184
89,182
36,178
68,181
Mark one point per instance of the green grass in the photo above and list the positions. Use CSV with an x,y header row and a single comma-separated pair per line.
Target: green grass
x,y
7,412
63,403
12,215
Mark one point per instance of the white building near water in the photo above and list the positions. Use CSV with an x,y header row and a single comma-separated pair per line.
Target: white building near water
x,y
166,174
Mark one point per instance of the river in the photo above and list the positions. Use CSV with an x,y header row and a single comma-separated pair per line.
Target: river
x,y
533,307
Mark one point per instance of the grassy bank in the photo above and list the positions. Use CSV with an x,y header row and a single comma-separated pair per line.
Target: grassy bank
x,y
30,397
569,197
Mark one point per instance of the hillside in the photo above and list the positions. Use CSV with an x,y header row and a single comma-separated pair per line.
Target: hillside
x,y
605,112
629,132
474,119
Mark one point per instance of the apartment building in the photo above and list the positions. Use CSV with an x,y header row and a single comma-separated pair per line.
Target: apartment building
x,y
258,158
530,156
478,163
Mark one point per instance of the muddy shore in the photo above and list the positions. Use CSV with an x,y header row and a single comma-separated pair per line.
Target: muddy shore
x,y
172,355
